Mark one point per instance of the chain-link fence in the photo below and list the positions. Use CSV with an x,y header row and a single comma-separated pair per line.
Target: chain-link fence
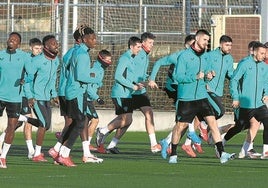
x,y
115,21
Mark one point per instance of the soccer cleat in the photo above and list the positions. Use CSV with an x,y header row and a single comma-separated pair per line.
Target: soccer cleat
x,y
198,148
265,155
173,159
92,159
164,148
99,137
65,161
193,137
226,157
253,154
39,158
3,163
92,148
188,149
101,149
242,154
156,148
203,133
113,150
53,153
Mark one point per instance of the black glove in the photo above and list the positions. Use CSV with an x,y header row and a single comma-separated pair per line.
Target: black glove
x,y
100,101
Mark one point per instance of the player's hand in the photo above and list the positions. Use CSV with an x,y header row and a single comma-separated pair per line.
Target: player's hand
x,y
152,84
265,99
200,75
235,104
210,75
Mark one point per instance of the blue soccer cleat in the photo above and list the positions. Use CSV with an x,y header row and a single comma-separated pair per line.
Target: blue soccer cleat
x,y
192,135
164,148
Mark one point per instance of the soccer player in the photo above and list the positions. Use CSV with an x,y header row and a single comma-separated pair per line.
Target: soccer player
x,y
233,129
251,97
12,63
140,98
36,48
122,93
192,69
104,60
171,90
76,95
42,74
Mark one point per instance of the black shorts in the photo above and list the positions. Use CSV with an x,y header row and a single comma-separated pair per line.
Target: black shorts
x,y
246,114
63,106
217,104
25,109
140,101
187,110
76,108
123,105
12,109
42,110
91,111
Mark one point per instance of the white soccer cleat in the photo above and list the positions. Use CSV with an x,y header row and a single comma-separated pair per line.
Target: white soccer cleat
x,y
92,159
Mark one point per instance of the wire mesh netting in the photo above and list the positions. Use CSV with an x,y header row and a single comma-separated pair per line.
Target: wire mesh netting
x,y
115,21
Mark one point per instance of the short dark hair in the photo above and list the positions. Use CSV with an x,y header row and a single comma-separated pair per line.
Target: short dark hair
x,y
225,38
35,41
147,35
46,38
258,45
133,41
15,33
202,32
188,38
251,44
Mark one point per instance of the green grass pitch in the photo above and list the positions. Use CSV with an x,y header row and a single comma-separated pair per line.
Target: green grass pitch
x,y
135,167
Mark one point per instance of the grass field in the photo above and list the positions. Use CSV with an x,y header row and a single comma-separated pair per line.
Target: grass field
x,y
135,167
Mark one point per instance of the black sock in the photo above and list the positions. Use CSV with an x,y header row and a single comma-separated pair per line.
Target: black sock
x,y
219,147
173,149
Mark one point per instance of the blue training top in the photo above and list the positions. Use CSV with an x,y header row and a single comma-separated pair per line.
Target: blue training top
x,y
11,70
188,66
42,74
64,69
222,64
124,77
254,83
